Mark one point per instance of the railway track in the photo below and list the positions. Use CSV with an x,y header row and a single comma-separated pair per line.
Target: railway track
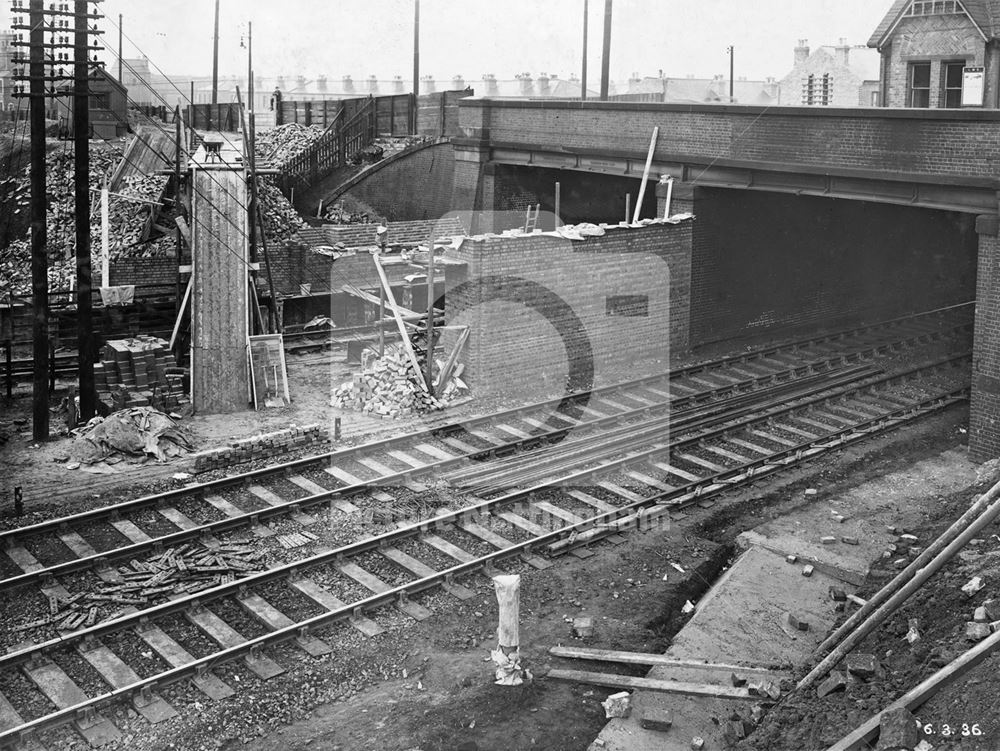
x,y
93,542
634,484
590,480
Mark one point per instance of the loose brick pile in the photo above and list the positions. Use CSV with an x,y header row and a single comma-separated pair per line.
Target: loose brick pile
x,y
259,447
386,387
138,372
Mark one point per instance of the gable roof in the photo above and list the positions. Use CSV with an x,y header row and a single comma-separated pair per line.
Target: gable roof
x,y
984,13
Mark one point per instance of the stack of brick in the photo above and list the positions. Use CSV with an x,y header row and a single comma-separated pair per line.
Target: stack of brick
x,y
259,447
136,372
386,387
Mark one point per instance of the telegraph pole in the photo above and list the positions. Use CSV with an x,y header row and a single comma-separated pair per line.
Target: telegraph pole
x,y
583,75
732,52
119,48
39,257
606,59
215,58
416,64
81,179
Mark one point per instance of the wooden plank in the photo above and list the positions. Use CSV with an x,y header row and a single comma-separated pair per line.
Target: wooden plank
x,y
590,500
376,466
130,531
434,451
719,451
698,461
615,406
832,421
671,470
406,458
512,431
269,497
9,718
23,559
176,518
461,446
223,505
407,562
752,446
553,510
650,481
314,489
187,293
375,584
404,335
486,437
519,521
343,475
61,691
80,547
781,440
808,435
923,691
226,636
486,535
118,674
619,491
324,598
448,548
274,620
651,684
648,658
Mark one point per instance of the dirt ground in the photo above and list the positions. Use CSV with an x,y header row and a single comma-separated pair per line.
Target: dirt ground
x,y
428,686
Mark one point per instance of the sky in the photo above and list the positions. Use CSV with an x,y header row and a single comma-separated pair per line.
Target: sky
x,y
474,37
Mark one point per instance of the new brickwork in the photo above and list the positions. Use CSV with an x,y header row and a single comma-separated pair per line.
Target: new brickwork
x,y
984,418
543,310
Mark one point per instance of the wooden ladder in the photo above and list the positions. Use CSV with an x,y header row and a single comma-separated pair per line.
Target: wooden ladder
x,y
531,218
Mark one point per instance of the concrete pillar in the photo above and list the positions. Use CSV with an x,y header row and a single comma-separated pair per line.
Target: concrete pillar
x,y
984,416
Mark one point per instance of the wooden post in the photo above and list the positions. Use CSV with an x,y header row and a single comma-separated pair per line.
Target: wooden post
x,y
508,590
381,321
670,195
645,174
429,376
628,206
105,242
558,202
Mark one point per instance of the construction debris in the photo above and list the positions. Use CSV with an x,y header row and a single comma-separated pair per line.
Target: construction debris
x,y
181,570
388,387
836,681
259,447
282,144
898,728
139,431
973,585
617,705
281,220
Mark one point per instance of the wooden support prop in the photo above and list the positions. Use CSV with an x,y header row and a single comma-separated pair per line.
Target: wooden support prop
x,y
449,364
508,590
904,592
975,510
105,239
614,680
645,174
180,314
404,336
182,225
911,700
670,195
646,658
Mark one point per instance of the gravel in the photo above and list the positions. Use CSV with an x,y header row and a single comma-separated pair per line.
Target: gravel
x,y
187,635
80,672
138,655
48,550
234,614
24,696
102,536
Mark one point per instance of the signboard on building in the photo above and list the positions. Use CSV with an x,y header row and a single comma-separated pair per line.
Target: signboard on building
x,y
972,86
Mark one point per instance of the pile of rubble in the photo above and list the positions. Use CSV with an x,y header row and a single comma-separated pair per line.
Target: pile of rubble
x,y
386,387
128,218
281,220
282,144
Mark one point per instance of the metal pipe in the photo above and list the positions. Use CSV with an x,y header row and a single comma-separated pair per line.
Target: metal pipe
x,y
215,57
583,74
606,57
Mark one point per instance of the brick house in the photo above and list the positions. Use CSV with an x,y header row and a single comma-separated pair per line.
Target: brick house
x,y
940,53
837,76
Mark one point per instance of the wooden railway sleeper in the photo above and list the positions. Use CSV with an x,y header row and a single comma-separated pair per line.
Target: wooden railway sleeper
x,y
145,624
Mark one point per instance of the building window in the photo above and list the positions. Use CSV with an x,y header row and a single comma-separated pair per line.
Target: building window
x,y
817,91
827,95
920,85
809,89
933,7
951,83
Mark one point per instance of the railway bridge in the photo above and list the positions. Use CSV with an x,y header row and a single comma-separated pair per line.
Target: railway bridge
x,y
804,216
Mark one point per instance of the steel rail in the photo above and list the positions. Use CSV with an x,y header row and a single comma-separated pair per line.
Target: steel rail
x,y
7,537
102,559
414,529
570,533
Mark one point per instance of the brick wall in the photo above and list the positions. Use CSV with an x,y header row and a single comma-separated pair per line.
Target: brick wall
x,y
544,311
143,271
413,232
412,185
952,143
984,418
935,39
767,261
